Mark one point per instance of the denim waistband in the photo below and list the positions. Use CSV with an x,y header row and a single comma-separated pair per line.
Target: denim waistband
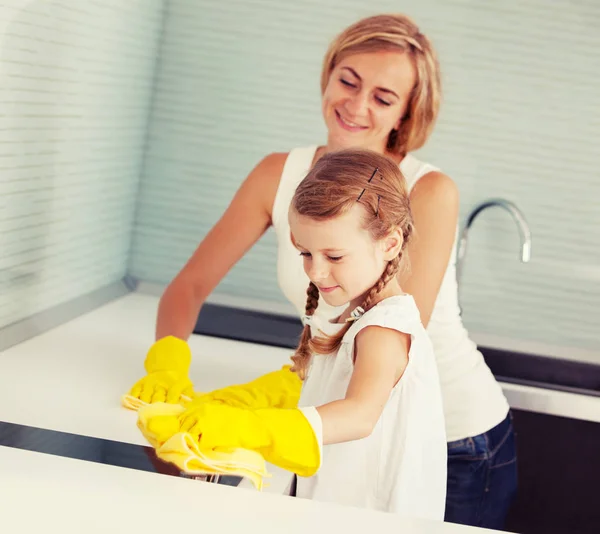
x,y
483,445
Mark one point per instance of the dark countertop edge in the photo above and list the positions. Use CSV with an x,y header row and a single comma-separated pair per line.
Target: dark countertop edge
x,y
507,366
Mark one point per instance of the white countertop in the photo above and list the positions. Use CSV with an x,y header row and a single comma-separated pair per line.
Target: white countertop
x,y
43,493
71,378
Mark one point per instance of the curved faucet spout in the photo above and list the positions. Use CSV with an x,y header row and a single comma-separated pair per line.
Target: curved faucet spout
x,y
516,214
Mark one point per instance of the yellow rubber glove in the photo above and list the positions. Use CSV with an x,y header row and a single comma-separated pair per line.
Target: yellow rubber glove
x,y
167,364
289,438
278,389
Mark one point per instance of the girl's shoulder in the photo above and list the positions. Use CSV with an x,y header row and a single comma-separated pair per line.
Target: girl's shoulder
x,y
399,312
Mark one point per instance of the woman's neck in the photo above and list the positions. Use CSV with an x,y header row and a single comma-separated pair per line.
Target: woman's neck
x,y
324,149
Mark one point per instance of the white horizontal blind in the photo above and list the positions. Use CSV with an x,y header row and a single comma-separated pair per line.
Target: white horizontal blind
x,y
75,87
520,120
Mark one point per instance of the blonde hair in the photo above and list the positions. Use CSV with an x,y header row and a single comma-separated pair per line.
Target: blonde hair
x,y
332,187
395,32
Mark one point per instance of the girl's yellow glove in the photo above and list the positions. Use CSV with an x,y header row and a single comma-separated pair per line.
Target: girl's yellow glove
x,y
288,438
277,389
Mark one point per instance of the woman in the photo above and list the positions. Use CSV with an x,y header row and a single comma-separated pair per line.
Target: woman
x,y
380,88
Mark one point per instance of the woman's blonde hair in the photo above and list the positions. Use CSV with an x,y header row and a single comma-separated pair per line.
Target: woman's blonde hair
x,y
338,181
395,32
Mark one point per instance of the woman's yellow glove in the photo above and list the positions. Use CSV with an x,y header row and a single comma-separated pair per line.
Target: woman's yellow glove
x,y
167,364
288,438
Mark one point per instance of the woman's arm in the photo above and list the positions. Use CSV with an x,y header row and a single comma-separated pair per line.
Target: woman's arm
x,y
243,223
381,357
434,203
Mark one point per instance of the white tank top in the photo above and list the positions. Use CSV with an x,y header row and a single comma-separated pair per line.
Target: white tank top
x,y
473,400
401,467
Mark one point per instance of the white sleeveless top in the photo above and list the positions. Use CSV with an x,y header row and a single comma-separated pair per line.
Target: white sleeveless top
x,y
401,466
473,400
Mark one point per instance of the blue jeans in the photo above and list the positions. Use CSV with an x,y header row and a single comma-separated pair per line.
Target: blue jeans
x,y
482,477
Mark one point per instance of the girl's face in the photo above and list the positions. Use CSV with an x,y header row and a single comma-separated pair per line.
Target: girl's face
x,y
366,97
340,257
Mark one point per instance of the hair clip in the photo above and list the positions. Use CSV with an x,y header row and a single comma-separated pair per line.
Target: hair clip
x,y
307,320
355,314
369,181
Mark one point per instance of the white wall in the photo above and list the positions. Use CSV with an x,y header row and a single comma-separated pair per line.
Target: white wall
x,y
75,88
520,120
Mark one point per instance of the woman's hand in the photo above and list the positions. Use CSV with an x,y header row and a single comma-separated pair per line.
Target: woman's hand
x,y
167,364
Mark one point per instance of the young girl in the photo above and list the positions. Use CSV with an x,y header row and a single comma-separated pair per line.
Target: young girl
x,y
368,430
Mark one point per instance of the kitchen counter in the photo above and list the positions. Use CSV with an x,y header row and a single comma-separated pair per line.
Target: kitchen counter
x,y
41,493
71,378
66,384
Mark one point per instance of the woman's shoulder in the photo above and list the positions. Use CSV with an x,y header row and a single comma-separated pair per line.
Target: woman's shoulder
x,y
273,166
425,179
277,161
290,168
261,184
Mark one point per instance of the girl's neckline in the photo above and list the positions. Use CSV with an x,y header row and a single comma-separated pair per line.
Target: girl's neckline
x,y
336,320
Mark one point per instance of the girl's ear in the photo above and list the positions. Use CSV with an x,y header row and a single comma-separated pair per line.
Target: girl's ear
x,y
392,244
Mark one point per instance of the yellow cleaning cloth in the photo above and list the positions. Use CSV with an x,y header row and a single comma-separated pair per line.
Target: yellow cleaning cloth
x,y
183,451
159,423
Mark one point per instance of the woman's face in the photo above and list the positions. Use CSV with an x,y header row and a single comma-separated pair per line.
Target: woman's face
x,y
366,97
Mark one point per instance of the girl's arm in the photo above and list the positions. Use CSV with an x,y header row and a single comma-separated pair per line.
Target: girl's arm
x,y
293,438
381,356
